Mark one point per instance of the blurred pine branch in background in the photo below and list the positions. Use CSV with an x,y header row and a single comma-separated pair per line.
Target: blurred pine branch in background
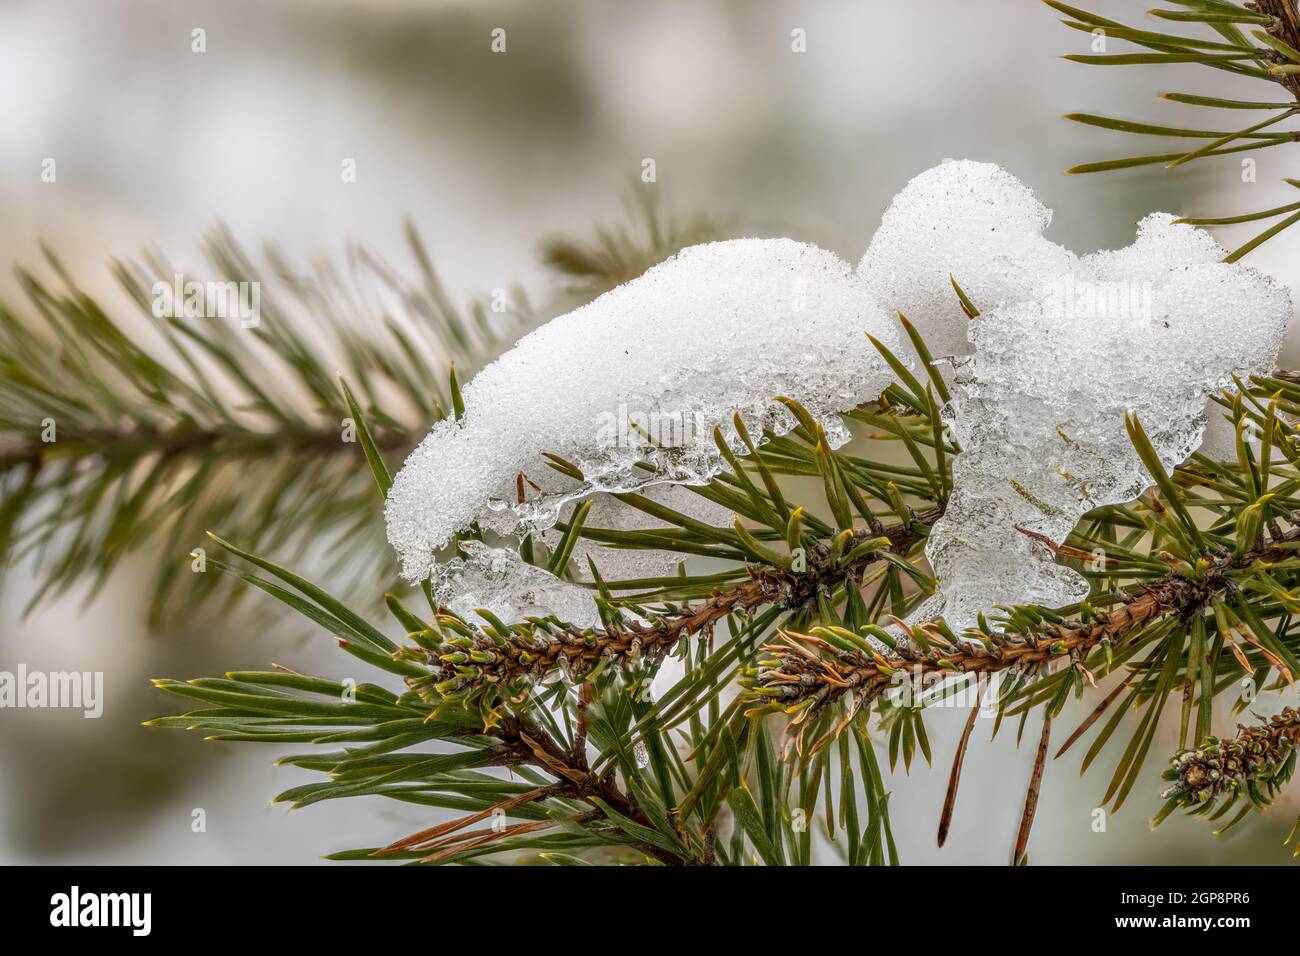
x,y
1271,53
119,435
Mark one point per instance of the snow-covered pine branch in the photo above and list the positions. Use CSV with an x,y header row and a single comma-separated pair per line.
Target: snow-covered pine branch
x,y
721,329
1064,347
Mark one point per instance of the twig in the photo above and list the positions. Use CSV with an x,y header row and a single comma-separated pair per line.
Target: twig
x,y
525,743
808,667
536,654
1224,766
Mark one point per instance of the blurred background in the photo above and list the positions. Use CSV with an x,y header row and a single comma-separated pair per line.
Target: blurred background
x,y
489,154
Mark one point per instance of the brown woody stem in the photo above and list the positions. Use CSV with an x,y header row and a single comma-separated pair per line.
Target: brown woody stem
x,y
1287,28
538,655
808,668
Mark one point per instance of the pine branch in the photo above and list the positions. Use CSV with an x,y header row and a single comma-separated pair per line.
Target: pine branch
x,y
1205,544
675,809
524,744
808,673
1254,766
620,253
1257,753
1275,24
256,706
114,436
500,660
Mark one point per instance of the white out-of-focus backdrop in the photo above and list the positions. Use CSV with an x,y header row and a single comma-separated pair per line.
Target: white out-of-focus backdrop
x,y
488,154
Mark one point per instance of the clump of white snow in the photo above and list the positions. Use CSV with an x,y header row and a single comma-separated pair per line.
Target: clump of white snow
x,y
500,581
973,222
976,223
1039,408
720,329
1063,348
